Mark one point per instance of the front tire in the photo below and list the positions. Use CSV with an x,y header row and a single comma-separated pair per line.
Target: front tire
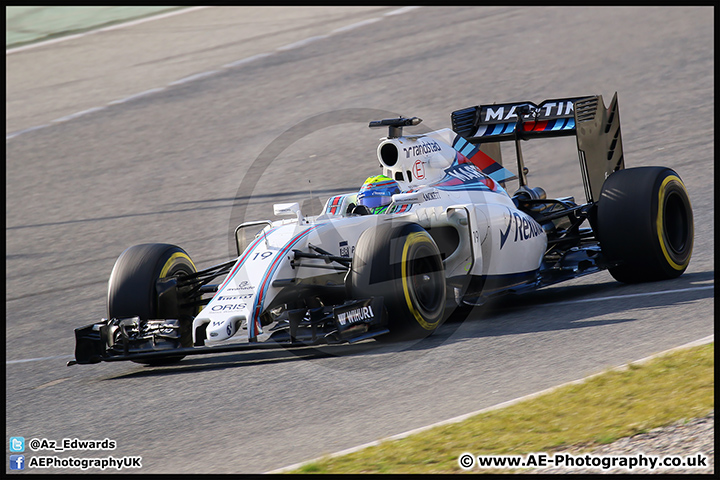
x,y
645,224
401,263
132,288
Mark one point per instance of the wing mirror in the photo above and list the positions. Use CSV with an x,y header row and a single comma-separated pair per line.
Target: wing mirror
x,y
288,210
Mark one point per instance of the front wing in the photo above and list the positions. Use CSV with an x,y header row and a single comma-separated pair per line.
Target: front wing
x,y
151,341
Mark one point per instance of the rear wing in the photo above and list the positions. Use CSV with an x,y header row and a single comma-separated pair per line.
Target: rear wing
x,y
596,128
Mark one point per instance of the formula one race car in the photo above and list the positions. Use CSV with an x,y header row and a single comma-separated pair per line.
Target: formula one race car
x,y
451,237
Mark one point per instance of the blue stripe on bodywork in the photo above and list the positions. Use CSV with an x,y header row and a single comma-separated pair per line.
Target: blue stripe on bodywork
x,y
498,129
254,329
244,257
467,150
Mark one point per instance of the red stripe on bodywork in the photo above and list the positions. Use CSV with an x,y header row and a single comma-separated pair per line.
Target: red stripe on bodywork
x,y
482,160
535,126
260,293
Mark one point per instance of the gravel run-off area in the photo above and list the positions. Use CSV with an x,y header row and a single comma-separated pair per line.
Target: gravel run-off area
x,y
683,439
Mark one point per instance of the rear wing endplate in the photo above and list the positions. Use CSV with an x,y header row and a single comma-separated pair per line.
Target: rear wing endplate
x,y
596,128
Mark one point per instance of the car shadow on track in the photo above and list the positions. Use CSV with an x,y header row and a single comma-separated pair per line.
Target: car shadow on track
x,y
613,296
568,307
550,309
222,361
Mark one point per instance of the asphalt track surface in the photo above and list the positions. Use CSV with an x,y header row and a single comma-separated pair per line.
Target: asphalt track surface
x,y
144,134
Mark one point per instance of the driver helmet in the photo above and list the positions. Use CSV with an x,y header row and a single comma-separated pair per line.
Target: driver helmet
x,y
376,193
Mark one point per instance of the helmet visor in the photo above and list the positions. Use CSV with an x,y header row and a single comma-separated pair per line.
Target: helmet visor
x,y
374,201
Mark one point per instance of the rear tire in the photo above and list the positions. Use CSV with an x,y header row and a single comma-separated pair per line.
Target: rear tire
x,y
645,224
401,263
132,287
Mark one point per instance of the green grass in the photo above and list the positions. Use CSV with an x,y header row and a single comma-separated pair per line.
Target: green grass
x,y
615,404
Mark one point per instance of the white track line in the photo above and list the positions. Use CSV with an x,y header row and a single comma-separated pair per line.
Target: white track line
x,y
245,61
191,78
702,341
400,11
27,130
301,43
353,26
137,95
58,357
630,295
77,114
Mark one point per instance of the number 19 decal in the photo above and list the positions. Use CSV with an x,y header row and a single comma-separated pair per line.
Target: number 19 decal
x,y
262,256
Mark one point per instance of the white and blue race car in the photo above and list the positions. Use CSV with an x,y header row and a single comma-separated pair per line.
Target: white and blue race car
x,y
451,238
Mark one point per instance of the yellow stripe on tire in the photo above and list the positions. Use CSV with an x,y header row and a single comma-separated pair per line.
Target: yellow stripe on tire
x,y
413,238
660,225
170,262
